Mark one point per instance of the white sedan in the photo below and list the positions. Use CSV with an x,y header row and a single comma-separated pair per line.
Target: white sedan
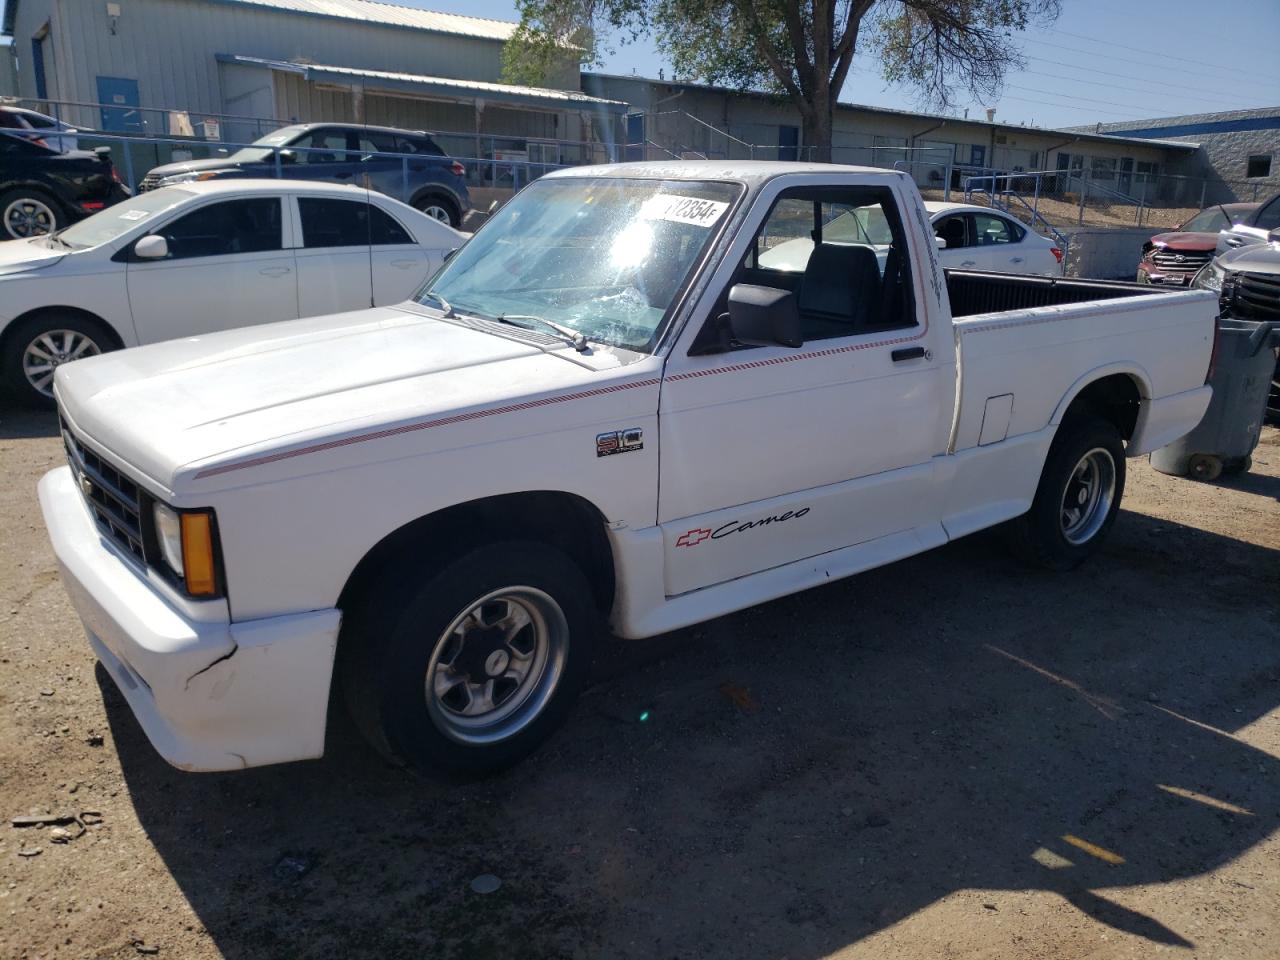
x,y
969,238
201,257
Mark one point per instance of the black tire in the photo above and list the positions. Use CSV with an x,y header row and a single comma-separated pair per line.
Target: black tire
x,y
428,201
12,374
48,213
1039,536
390,640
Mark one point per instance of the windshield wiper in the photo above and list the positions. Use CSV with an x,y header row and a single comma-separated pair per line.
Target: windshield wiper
x,y
444,304
572,337
54,236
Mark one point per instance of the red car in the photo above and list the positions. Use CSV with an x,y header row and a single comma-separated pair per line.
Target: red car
x,y
1174,257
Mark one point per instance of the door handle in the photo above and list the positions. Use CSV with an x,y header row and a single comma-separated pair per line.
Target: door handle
x,y
404,264
274,271
967,263
1234,242
1015,260
907,353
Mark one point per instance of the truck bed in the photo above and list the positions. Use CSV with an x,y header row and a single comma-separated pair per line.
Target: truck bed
x,y
974,293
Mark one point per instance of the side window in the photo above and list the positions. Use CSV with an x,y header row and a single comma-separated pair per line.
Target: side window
x,y
424,146
989,230
232,226
953,230
346,223
385,229
1269,216
325,145
377,143
842,251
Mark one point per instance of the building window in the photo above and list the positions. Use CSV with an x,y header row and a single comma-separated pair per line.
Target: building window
x,y
1259,165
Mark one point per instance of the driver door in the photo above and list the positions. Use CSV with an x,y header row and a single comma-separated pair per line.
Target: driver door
x,y
771,454
227,267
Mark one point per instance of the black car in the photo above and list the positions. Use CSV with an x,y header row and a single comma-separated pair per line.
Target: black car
x,y
419,174
42,190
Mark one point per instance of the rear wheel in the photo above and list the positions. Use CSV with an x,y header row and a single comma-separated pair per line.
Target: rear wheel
x,y
41,344
1077,499
440,208
466,667
28,213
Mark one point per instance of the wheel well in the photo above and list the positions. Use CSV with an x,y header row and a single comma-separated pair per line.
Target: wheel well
x,y
11,329
1115,398
563,520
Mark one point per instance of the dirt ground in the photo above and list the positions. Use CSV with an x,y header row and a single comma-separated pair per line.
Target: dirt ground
x,y
948,757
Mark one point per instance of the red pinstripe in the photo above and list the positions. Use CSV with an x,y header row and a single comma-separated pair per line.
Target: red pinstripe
x,y
422,425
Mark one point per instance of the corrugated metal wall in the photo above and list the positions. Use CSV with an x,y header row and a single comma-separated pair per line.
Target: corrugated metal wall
x,y
169,47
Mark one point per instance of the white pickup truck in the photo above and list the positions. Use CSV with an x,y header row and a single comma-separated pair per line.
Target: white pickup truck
x,y
604,412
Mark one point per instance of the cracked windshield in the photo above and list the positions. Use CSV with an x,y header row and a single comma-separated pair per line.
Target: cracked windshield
x,y
603,257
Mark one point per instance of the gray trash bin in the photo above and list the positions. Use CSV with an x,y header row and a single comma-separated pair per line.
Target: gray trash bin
x,y
1225,438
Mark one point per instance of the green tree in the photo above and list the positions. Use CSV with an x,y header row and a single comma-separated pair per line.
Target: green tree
x,y
801,49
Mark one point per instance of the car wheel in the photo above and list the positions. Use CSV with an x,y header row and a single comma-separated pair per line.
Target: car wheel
x,y
466,668
442,209
38,346
1077,499
28,213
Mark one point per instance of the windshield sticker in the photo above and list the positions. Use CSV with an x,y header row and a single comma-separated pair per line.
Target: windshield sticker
x,y
135,214
690,210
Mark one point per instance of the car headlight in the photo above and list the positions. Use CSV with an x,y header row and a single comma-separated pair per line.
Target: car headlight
x,y
1210,277
194,176
185,538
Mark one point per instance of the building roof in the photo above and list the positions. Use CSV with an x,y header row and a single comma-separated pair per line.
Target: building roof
x,y
941,119
367,11
443,86
1193,124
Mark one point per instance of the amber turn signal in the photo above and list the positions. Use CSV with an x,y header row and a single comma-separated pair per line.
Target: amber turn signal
x,y
197,555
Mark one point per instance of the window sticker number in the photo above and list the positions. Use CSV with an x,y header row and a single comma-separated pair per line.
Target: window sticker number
x,y
690,210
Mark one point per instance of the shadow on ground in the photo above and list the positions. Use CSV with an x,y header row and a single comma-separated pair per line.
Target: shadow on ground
x,y
811,772
20,423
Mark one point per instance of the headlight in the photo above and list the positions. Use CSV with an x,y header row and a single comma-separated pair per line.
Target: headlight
x,y
169,534
1210,277
194,176
186,542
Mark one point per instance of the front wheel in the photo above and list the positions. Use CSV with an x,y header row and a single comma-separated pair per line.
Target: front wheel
x,y
467,668
41,344
1077,499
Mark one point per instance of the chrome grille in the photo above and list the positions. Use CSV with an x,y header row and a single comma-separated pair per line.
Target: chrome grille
x,y
1253,296
114,499
1181,262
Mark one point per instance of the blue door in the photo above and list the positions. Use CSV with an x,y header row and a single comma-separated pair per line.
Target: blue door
x,y
119,99
635,136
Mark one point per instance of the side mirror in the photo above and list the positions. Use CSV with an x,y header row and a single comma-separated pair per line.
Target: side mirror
x,y
288,156
1273,236
151,247
763,316
104,153
940,242
449,256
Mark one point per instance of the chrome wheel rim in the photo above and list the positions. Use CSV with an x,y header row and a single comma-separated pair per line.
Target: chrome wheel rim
x,y
1087,499
495,668
28,217
437,212
50,350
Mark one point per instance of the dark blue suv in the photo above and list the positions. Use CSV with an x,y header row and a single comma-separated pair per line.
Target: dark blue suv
x,y
420,175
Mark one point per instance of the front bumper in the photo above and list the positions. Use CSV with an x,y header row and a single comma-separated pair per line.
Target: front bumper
x,y
210,694
1149,273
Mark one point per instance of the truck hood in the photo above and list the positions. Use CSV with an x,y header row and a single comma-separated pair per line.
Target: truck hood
x,y
21,256
1192,241
1255,258
192,166
187,402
